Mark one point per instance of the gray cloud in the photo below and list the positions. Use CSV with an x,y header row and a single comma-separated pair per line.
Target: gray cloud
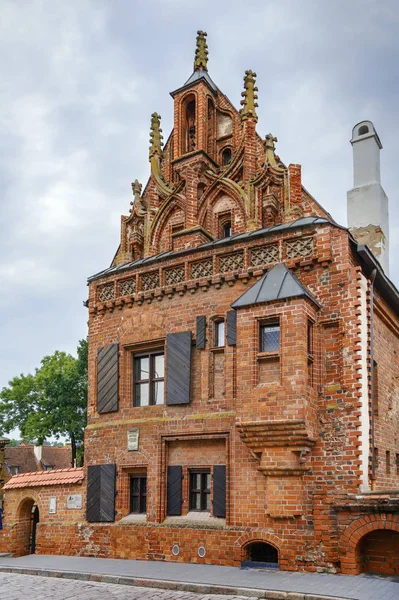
x,y
79,82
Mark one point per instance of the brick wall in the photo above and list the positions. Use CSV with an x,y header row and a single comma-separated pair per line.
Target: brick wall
x,y
15,536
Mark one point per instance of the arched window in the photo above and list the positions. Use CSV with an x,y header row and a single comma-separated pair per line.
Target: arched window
x,y
226,156
363,129
189,132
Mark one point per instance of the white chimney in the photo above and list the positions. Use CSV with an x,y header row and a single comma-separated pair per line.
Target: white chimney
x,y
368,218
38,452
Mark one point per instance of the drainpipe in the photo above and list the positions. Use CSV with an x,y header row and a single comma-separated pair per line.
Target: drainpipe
x,y
373,461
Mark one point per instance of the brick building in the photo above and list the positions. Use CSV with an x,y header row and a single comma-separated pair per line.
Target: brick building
x,y
243,362
27,458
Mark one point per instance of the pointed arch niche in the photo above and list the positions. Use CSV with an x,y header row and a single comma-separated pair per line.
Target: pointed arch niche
x,y
172,221
188,129
211,129
224,213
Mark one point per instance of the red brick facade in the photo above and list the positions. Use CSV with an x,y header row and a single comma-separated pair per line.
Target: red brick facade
x,y
296,426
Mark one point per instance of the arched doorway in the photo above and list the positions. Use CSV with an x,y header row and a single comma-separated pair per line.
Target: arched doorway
x,y
261,555
27,519
378,552
34,522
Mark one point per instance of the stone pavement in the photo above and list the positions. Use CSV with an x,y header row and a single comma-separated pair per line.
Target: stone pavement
x,y
208,579
14,586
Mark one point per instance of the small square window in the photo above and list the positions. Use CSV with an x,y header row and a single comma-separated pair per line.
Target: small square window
x,y
219,333
200,490
270,337
148,379
14,470
138,494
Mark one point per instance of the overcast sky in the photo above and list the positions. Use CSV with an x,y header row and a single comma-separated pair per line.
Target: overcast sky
x,y
79,81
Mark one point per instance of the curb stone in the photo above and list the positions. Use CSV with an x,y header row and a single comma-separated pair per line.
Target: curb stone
x,y
197,588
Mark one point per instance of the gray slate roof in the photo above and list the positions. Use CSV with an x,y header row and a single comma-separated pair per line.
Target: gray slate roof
x,y
201,74
194,78
238,237
277,284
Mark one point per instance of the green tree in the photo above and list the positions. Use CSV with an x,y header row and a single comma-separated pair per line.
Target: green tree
x,y
50,403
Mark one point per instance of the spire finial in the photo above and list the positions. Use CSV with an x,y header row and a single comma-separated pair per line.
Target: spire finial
x,y
201,52
249,96
156,136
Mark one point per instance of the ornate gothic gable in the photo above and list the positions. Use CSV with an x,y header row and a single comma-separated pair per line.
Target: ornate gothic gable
x,y
215,176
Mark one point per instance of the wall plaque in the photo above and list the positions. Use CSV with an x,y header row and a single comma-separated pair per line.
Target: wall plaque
x,y
132,439
52,505
74,501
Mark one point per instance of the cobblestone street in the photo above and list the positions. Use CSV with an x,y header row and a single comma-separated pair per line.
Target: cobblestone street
x,y
14,586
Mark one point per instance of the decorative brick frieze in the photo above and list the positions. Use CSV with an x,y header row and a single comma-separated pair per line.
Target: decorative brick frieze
x,y
301,247
150,281
231,262
127,287
203,268
265,255
106,292
175,275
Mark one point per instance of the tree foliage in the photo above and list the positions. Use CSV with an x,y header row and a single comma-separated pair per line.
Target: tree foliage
x,y
52,402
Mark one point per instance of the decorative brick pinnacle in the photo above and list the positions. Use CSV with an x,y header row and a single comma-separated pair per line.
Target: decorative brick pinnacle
x,y
249,103
156,136
201,52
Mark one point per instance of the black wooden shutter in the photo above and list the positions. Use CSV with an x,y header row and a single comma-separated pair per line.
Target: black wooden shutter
x,y
178,367
101,493
175,498
231,328
219,490
107,378
201,333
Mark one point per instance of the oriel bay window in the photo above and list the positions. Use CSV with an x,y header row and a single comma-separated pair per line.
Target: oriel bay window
x,y
200,490
138,494
148,378
270,337
269,352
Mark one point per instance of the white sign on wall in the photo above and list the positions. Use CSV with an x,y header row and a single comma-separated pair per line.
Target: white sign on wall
x,y
74,501
132,439
52,506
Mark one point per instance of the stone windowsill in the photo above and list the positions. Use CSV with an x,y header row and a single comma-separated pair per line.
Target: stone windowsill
x,y
134,518
196,519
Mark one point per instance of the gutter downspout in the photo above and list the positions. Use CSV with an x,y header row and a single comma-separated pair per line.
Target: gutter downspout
x,y
372,390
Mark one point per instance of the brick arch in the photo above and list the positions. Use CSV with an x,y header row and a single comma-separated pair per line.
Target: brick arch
x,y
23,500
141,328
20,537
162,218
355,532
265,536
206,214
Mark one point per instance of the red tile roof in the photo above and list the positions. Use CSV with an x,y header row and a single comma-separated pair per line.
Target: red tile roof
x,y
57,457
56,477
23,456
